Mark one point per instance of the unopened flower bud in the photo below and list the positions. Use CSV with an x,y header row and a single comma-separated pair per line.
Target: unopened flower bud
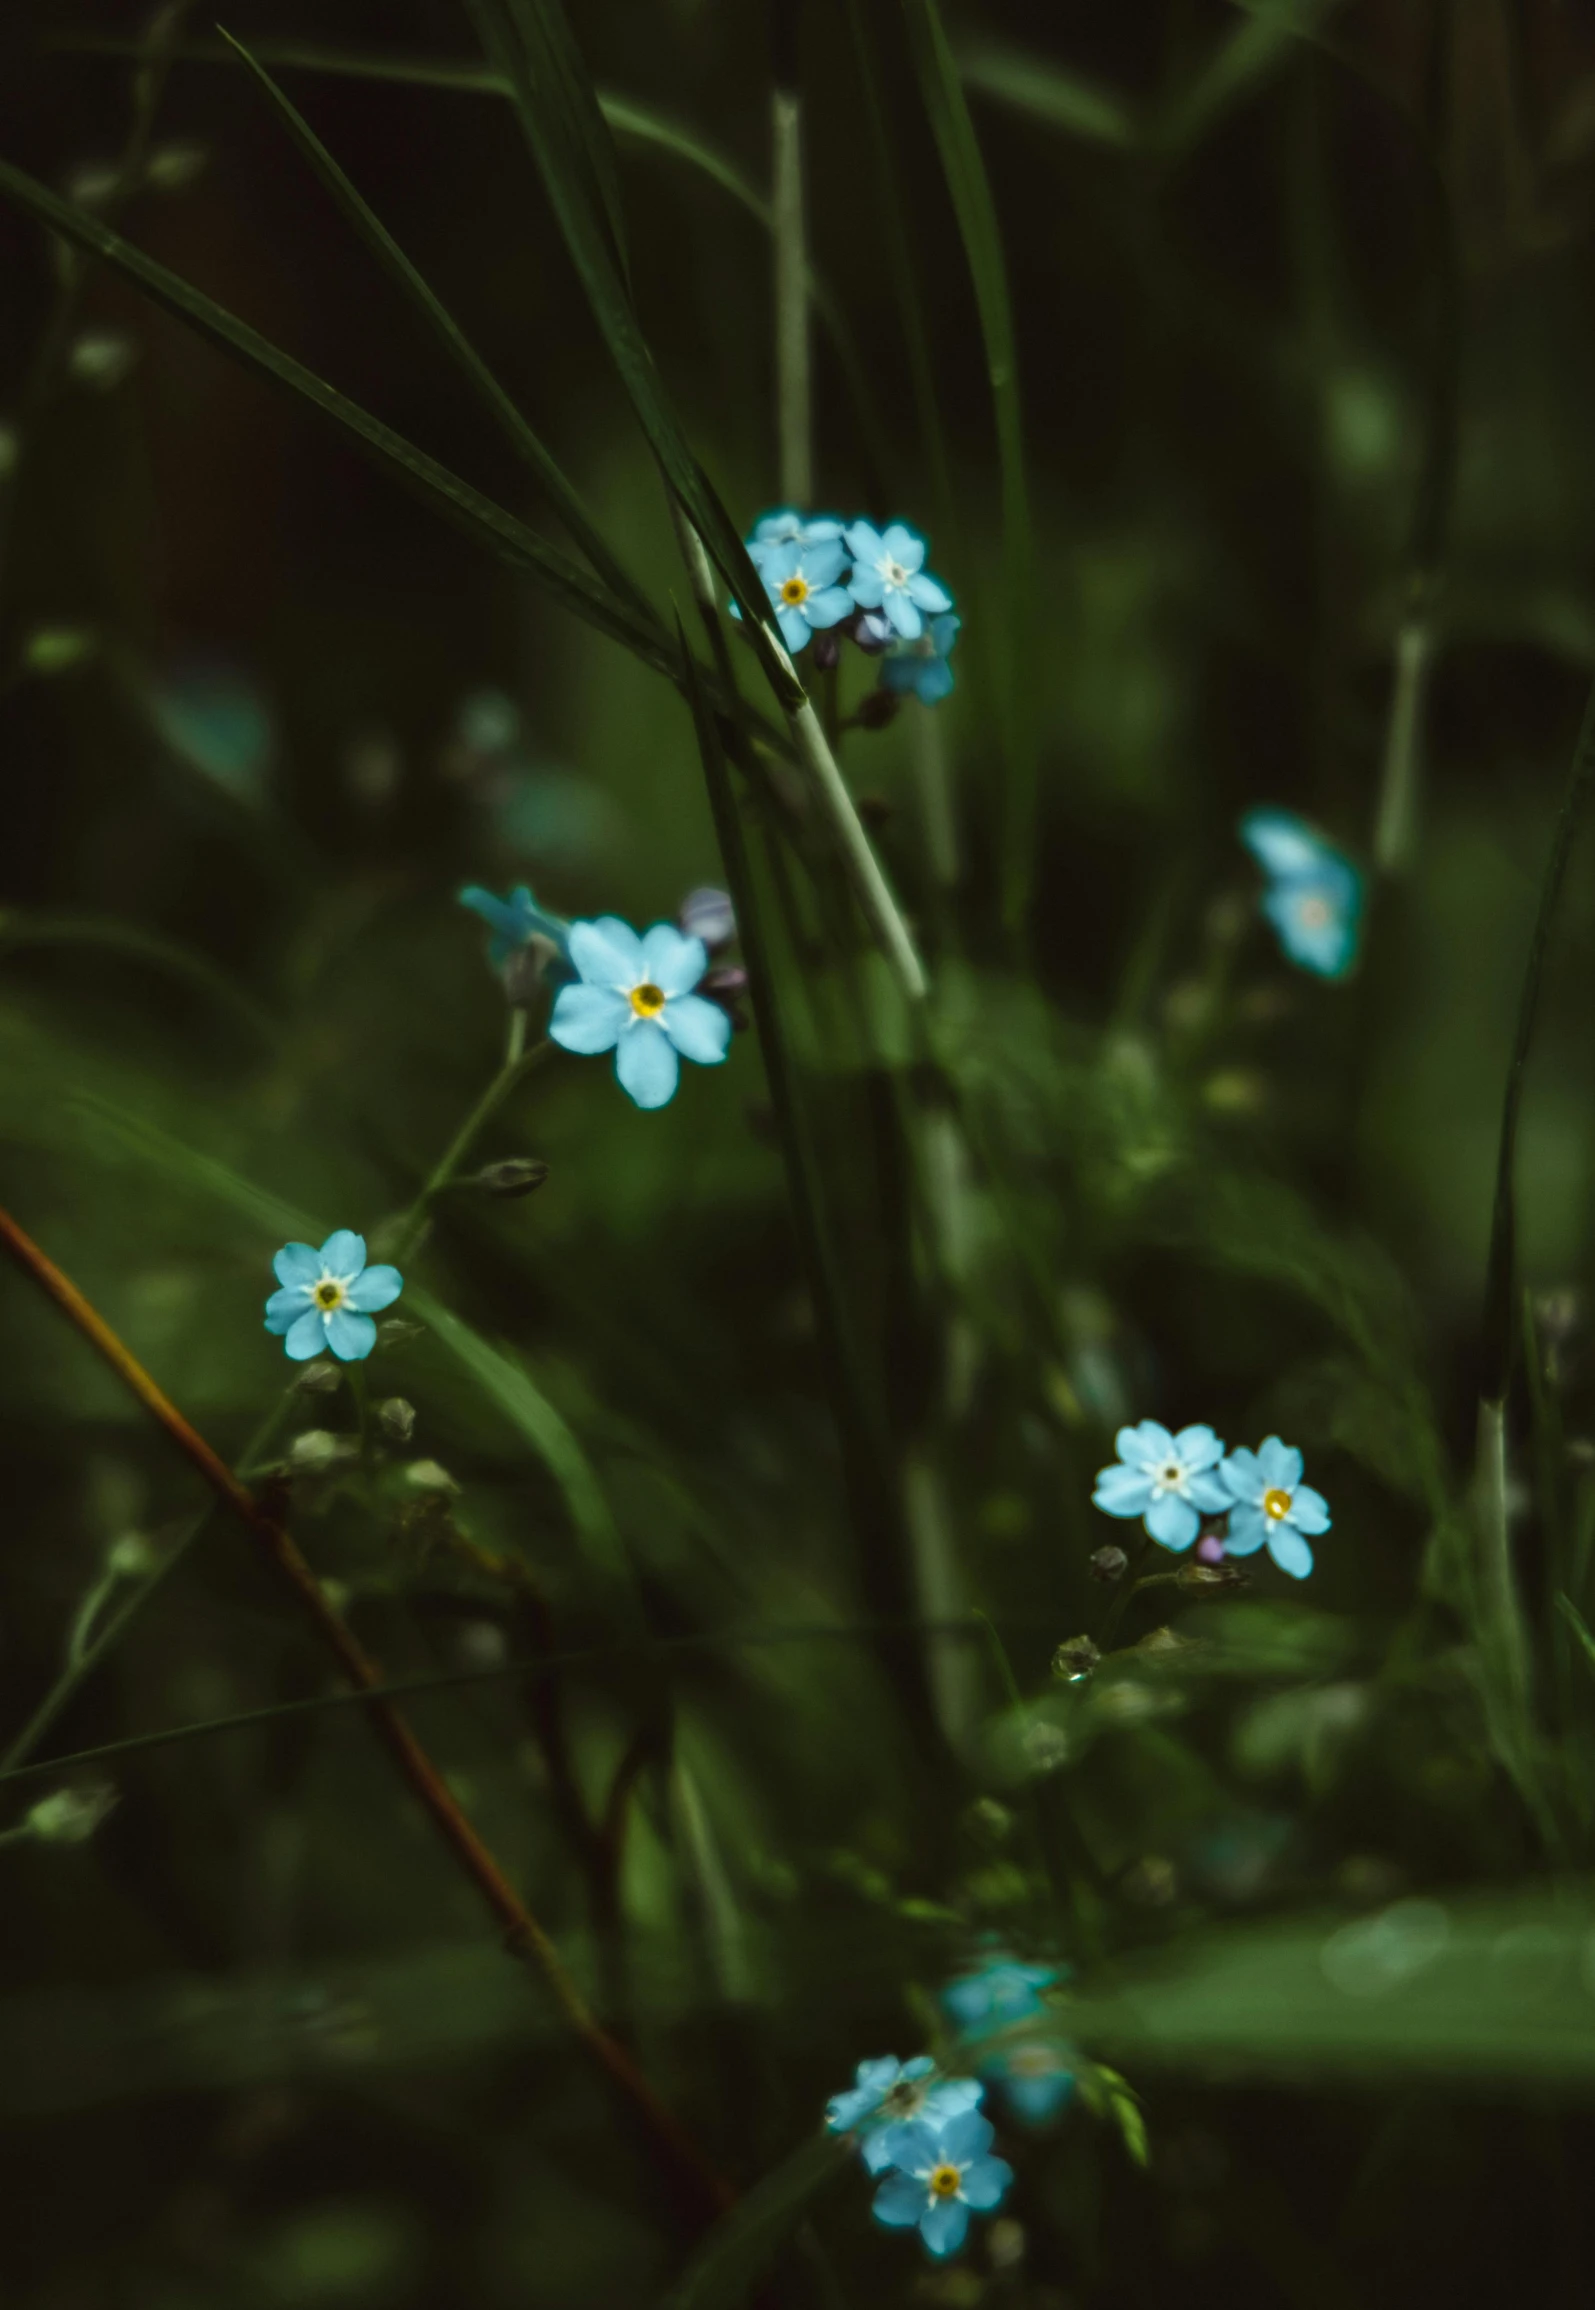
x,y
70,1816
826,652
430,1476
101,358
320,1378
873,631
57,649
317,1452
173,167
1109,1564
131,1557
1212,1576
397,1418
879,708
1168,1643
524,971
516,1175
1075,1658
396,1332
708,914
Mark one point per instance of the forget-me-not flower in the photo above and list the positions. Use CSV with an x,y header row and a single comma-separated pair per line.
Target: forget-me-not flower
x,y
635,997
943,2174
328,1298
787,526
889,574
1170,1482
517,922
1272,1507
1314,896
887,2092
801,583
1001,1990
920,668
1035,2080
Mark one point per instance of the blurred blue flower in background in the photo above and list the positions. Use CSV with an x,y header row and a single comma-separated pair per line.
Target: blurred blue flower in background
x,y
943,2174
786,526
889,574
1035,2080
328,1298
1314,897
887,2092
516,922
1170,1482
215,718
801,583
999,1991
920,669
1272,1508
636,998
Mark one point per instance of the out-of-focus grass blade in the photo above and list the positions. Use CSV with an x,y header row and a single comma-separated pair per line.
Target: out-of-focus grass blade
x,y
386,249
1061,99
1245,57
519,39
489,523
742,2244
21,929
1575,1621
1488,1990
976,212
101,1127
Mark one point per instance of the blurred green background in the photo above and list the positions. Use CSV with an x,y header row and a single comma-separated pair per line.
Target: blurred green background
x,y
1304,304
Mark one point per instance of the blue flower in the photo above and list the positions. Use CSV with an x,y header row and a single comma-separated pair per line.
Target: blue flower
x,y
786,526
1315,895
801,583
889,574
518,922
888,2092
1272,1506
635,998
1170,1482
921,667
1035,2080
1001,1991
328,1298
944,2173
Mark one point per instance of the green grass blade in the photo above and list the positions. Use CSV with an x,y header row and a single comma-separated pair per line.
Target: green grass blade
x,y
967,182
386,249
518,39
1242,60
1060,99
19,928
487,522
746,2240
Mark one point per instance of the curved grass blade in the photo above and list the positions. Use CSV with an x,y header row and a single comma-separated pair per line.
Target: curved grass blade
x,y
744,2242
486,521
965,171
1247,56
1034,85
386,249
528,41
19,928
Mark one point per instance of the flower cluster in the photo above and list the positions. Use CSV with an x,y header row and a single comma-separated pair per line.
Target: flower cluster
x,y
1314,893
1253,1499
925,2135
1031,2073
830,577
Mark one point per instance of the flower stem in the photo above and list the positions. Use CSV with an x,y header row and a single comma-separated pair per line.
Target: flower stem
x,y
794,391
524,1937
518,1062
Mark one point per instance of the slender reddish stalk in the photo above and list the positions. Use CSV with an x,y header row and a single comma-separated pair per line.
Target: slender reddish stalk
x,y
524,1937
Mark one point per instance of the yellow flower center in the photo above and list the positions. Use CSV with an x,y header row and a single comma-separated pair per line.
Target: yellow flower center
x,y
1276,1504
945,2181
647,1000
328,1294
794,591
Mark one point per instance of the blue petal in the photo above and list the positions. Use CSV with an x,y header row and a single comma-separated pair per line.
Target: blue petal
x,y
926,594
966,2137
1198,1448
296,1263
1290,1551
795,627
1282,843
1242,1477
875,2148
607,953
350,1337
285,1307
1173,1521
915,2146
1208,1493
1280,1465
307,1337
1122,1491
823,562
344,1253
777,528
1248,1529
828,607
588,1019
899,2202
866,588
500,917
781,562
1146,1446
902,613
700,1029
944,2226
864,542
646,1065
1035,2098
949,2097
376,1289
820,528
672,959
989,2180
1309,1510
905,545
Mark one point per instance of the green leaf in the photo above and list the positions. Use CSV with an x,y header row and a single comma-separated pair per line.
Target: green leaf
x,y
380,241
965,171
744,2242
1124,2108
1035,85
529,43
1244,58
487,522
